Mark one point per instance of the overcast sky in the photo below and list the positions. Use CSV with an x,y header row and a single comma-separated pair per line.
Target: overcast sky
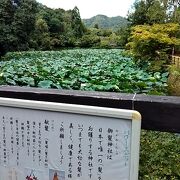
x,y
90,8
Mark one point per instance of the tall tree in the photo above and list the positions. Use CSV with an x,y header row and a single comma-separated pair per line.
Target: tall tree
x,y
175,6
41,36
77,24
138,15
7,11
24,23
17,22
156,13
148,12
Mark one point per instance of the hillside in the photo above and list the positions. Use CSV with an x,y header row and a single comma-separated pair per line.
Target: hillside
x,y
106,22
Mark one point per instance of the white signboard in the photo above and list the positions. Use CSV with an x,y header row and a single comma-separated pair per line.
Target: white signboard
x,y
53,141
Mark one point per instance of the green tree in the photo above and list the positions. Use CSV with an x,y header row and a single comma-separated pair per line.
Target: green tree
x,y
41,38
65,27
156,13
56,25
138,16
77,25
90,40
148,12
17,22
154,42
7,11
175,13
124,34
96,26
24,23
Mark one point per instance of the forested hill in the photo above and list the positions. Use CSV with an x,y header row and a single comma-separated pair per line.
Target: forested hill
x,y
29,25
105,22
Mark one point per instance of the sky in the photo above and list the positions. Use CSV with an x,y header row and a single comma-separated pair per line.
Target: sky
x,y
90,8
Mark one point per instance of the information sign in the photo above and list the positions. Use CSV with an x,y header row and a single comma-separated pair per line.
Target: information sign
x,y
54,141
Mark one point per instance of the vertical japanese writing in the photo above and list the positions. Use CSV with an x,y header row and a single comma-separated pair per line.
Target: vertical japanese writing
x,y
61,136
110,143
46,125
80,157
12,135
71,145
28,137
22,135
52,125
100,154
126,147
17,141
90,154
117,140
39,143
46,153
70,151
4,141
34,141
46,128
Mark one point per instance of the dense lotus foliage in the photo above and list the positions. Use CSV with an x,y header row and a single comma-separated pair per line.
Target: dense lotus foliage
x,y
100,70
80,69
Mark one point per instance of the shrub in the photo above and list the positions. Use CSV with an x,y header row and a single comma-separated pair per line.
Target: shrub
x,y
174,81
160,155
153,43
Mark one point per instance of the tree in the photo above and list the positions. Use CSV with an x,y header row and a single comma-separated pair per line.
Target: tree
x,y
156,13
77,25
90,40
41,37
96,26
7,11
24,23
124,34
148,12
17,22
154,42
138,16
56,25
175,13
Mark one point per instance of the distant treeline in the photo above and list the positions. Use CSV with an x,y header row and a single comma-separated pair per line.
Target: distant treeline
x,y
28,25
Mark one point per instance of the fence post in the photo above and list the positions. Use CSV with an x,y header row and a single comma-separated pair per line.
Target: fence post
x,y
176,61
